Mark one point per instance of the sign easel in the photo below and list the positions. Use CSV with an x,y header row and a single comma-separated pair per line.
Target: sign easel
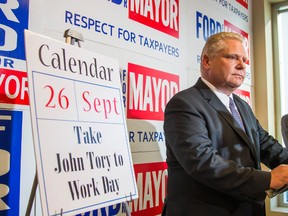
x,y
72,37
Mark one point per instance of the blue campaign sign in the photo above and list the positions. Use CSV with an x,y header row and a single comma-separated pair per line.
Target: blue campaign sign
x,y
10,161
13,21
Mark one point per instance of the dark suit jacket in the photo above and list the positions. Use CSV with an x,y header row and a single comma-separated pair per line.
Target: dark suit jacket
x,y
213,165
284,129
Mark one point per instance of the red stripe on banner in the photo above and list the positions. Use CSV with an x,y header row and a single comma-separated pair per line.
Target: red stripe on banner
x,y
244,3
151,180
13,87
149,91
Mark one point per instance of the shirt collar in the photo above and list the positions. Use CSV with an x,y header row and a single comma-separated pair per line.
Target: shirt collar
x,y
223,97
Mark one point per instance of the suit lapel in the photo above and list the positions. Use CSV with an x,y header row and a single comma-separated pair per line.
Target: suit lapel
x,y
216,103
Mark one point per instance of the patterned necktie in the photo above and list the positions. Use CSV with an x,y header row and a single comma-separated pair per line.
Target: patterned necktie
x,y
235,113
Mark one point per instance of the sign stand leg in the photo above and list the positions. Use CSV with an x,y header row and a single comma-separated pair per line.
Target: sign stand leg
x,y
32,195
126,207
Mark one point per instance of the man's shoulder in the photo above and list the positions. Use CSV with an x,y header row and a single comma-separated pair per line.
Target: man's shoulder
x,y
188,92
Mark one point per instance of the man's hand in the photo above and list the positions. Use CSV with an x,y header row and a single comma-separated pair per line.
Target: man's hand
x,y
279,177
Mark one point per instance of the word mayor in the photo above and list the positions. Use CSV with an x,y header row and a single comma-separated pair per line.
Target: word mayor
x,y
91,187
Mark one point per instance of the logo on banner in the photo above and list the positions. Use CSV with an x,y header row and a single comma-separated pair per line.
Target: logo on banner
x,y
244,3
207,26
13,87
13,21
149,90
10,161
158,14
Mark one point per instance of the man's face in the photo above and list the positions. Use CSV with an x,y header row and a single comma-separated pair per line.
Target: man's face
x,y
227,69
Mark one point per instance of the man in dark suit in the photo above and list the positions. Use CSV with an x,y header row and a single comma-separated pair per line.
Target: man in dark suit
x,y
214,163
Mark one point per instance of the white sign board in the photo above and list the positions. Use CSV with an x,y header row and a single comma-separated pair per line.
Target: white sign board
x,y
79,128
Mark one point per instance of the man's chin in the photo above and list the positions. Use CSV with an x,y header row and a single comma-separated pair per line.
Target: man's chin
x,y
236,83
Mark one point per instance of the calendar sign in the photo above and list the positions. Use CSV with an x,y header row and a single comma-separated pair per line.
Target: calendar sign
x,y
80,135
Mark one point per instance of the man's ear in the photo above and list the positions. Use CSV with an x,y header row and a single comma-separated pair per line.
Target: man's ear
x,y
206,62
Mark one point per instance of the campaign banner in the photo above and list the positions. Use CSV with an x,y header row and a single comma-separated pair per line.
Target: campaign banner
x,y
13,21
149,90
151,182
146,136
152,28
10,161
161,15
80,134
244,3
228,16
245,95
13,87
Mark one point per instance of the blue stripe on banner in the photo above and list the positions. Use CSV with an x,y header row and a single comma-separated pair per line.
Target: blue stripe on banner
x,y
13,21
10,161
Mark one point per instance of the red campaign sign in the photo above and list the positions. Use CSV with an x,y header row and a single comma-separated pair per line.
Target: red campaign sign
x,y
160,15
245,95
149,90
244,3
229,27
13,87
151,180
